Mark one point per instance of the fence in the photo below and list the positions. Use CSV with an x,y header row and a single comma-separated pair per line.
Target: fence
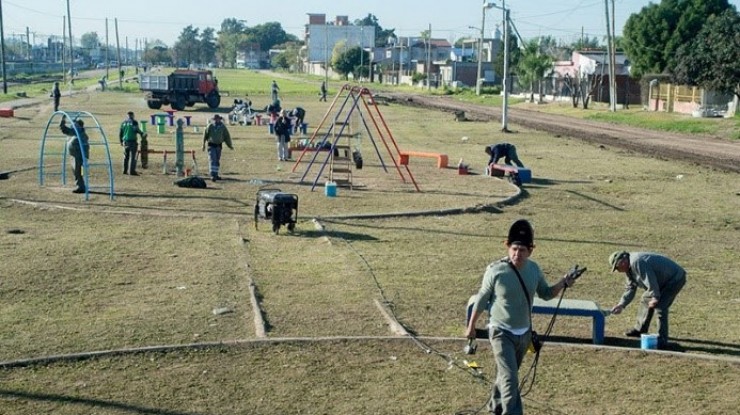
x,y
686,99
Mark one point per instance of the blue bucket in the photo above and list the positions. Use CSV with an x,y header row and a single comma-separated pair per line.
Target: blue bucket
x,y
649,341
330,189
304,128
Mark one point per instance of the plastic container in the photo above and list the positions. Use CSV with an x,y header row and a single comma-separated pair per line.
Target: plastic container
x,y
525,175
649,341
304,128
330,189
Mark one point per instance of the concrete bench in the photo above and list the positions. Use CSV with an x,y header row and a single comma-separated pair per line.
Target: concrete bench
x,y
578,308
442,159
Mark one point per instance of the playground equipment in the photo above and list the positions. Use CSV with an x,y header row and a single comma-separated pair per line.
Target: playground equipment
x,y
179,153
53,152
280,208
352,103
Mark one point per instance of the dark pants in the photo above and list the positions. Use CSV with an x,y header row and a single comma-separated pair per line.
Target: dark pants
x,y
77,164
214,158
668,293
129,156
508,157
56,104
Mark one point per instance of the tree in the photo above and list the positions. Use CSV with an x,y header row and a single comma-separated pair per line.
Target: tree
x,y
89,40
231,36
288,57
586,43
381,35
207,46
270,34
514,56
712,59
346,62
187,49
158,54
532,66
652,37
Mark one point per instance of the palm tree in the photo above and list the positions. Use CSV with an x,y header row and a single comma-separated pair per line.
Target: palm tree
x,y
532,67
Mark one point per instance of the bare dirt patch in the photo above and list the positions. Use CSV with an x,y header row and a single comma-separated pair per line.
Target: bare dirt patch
x,y
705,150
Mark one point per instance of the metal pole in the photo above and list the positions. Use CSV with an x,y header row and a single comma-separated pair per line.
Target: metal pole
x,y
71,48
480,50
326,55
429,59
505,106
2,48
64,52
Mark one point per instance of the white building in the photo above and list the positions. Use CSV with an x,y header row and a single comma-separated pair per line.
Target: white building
x,y
321,37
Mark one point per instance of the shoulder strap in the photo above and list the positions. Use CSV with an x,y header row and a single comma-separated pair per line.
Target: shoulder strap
x,y
526,292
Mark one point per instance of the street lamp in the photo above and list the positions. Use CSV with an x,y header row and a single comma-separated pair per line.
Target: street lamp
x,y
478,80
505,104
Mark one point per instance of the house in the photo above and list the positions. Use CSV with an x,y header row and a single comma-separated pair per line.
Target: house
x,y
251,57
405,56
595,64
461,66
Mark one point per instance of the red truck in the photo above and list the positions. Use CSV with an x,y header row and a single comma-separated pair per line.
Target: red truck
x,y
182,88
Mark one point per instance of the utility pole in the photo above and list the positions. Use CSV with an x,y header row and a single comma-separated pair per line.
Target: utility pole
x,y
118,50
478,79
64,52
429,59
326,56
2,48
613,63
71,48
505,104
400,62
107,46
610,45
28,43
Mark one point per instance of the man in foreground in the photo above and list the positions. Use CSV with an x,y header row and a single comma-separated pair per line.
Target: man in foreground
x,y
507,291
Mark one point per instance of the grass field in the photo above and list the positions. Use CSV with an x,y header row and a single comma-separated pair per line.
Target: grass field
x,y
160,268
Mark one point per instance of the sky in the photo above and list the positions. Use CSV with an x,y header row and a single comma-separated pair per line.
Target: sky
x,y
149,19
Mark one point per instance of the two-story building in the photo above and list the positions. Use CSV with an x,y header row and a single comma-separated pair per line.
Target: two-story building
x,y
321,37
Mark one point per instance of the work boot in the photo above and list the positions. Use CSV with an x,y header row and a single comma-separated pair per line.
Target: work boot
x,y
133,173
79,190
634,333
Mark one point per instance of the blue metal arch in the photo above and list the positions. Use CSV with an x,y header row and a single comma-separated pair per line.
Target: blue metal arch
x,y
91,124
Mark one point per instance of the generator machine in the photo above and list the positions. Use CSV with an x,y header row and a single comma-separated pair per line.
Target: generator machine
x,y
277,207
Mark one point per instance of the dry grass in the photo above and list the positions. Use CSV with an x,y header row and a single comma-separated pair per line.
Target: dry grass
x,y
148,268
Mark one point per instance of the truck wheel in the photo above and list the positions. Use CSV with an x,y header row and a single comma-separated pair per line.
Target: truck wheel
x,y
213,100
154,105
179,103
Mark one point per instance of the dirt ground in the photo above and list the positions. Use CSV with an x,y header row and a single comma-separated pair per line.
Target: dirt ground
x,y
705,150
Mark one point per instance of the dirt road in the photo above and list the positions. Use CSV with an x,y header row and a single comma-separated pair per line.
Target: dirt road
x,y
705,150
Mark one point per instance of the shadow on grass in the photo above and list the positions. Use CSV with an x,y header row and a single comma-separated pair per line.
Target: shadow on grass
x,y
619,209
709,346
349,236
95,403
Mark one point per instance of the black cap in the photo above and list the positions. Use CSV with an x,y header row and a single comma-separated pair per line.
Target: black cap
x,y
521,233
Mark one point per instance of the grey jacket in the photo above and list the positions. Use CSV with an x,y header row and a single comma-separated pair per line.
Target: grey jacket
x,y
649,271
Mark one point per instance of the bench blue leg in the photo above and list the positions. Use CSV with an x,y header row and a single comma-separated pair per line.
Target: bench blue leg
x,y
598,329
